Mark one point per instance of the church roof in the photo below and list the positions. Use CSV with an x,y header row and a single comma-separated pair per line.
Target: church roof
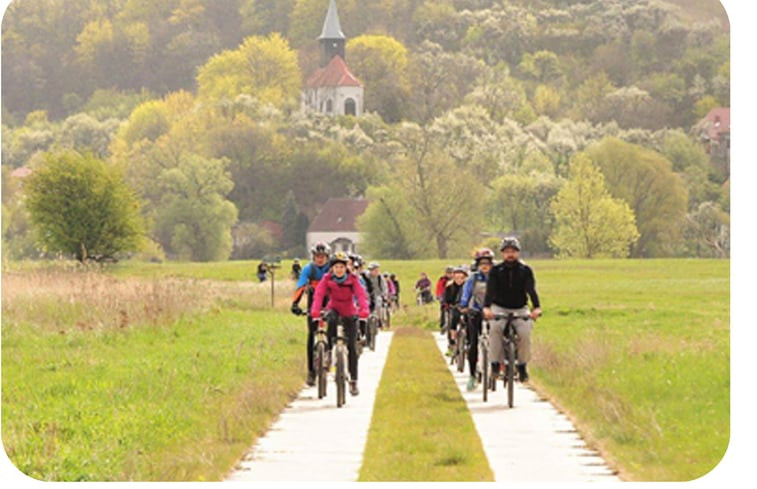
x,y
331,27
338,215
335,74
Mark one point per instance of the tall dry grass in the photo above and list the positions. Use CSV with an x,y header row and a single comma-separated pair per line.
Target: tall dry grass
x,y
88,299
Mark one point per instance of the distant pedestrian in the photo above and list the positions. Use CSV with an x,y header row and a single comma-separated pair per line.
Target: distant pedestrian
x,y
262,271
296,269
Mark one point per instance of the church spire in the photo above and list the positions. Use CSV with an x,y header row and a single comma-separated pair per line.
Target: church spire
x,y
331,27
332,38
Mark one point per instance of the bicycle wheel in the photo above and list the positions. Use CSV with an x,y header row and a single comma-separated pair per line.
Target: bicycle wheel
x,y
485,367
461,351
388,318
341,380
320,369
510,372
373,331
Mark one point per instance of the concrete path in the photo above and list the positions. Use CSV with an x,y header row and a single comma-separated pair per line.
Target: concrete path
x,y
530,442
313,440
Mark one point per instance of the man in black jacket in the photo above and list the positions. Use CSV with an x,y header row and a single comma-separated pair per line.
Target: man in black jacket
x,y
506,290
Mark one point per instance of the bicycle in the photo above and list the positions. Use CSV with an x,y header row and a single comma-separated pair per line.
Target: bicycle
x,y
510,339
372,330
386,314
321,357
341,375
483,366
460,352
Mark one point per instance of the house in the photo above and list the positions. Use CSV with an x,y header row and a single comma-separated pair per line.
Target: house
x,y
336,224
332,88
714,131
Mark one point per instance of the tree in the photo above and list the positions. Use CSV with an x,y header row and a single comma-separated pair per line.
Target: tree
x,y
708,231
194,219
644,179
380,62
264,67
81,206
294,224
589,223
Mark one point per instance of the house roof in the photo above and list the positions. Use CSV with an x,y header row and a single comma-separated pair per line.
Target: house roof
x,y
335,74
338,215
21,172
331,27
716,122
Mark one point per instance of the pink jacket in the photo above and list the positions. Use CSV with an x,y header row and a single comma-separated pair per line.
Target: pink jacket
x,y
341,297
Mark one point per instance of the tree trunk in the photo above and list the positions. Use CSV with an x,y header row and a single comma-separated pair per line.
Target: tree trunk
x,y
441,246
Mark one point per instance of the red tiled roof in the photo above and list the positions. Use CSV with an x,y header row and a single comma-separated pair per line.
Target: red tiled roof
x,y
335,74
717,122
338,215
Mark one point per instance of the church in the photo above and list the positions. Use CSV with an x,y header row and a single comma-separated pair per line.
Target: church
x,y
332,88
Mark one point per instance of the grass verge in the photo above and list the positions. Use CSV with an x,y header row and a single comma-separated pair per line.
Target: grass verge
x,y
158,398
421,429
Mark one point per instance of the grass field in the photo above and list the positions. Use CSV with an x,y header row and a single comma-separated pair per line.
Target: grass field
x,y
636,351
421,429
130,379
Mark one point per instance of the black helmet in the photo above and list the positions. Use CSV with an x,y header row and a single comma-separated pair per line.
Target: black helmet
x,y
484,254
320,248
510,242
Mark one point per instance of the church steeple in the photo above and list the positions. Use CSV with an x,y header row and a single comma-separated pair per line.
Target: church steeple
x,y
332,38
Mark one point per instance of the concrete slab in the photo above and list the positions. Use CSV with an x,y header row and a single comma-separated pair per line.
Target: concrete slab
x,y
313,440
531,441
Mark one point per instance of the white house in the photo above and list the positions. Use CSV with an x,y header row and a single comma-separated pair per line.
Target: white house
x,y
336,225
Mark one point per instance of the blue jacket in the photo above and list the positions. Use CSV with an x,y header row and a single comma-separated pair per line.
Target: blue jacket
x,y
303,282
467,298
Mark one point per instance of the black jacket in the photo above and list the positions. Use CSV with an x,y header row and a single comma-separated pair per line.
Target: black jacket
x,y
452,293
508,285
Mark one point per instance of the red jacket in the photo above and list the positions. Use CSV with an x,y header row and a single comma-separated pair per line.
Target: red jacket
x,y
341,296
441,284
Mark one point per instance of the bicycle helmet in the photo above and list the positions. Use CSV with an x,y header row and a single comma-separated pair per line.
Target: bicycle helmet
x,y
510,242
484,254
460,270
340,257
373,265
320,248
449,269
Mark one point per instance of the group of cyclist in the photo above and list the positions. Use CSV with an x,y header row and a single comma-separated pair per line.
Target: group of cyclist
x,y
343,288
470,295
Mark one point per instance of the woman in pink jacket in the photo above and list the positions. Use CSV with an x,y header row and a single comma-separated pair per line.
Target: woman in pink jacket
x,y
342,288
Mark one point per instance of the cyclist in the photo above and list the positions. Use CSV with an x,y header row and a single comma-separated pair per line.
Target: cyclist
x,y
356,267
391,291
396,282
378,289
262,271
451,300
422,287
509,284
342,288
441,284
472,302
311,274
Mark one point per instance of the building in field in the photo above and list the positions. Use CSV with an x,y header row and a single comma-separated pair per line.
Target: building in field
x,y
336,224
332,88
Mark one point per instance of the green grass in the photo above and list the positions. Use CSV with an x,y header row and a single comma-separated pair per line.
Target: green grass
x,y
181,401
421,429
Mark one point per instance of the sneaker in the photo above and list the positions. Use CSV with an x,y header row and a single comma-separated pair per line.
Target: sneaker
x,y
450,351
471,383
311,379
353,388
522,374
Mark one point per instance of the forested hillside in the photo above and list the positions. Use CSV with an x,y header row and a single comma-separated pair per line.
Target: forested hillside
x,y
485,103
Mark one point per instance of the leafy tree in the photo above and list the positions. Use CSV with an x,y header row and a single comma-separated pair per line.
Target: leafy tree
x,y
264,67
80,206
644,179
589,222
708,231
194,219
294,223
380,62
521,203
